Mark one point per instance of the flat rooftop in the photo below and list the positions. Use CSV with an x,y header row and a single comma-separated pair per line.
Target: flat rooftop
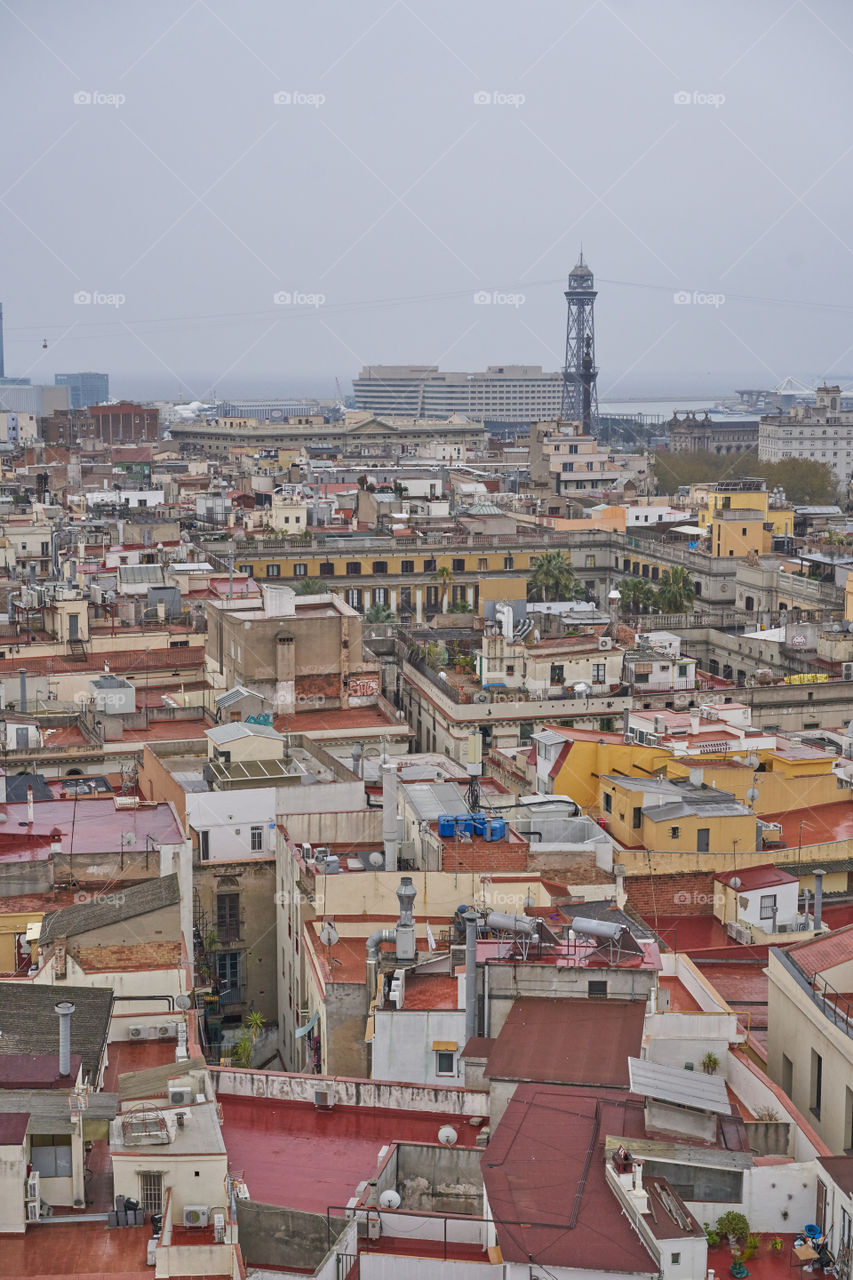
x,y
76,1250
298,1157
822,823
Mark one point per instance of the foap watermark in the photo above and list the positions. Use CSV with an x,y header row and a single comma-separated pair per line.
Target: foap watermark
x,y
286,298
96,98
296,898
298,98
696,899
695,98
493,298
494,98
686,298
99,899
95,298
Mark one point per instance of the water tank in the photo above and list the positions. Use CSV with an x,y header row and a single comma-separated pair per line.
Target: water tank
x,y
479,823
446,825
606,930
465,824
498,829
503,923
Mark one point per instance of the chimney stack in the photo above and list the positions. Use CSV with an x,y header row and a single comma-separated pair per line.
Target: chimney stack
x,y
64,1009
818,900
471,920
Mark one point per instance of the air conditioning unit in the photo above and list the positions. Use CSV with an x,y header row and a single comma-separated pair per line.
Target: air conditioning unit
x,y
652,739
604,642
195,1215
34,1186
847,671
180,1096
33,1210
481,696
630,736
306,850
323,1099
167,1029
374,1226
139,1032
151,1255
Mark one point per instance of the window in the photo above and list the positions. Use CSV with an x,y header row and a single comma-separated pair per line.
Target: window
x,y
257,841
353,597
510,668
767,909
50,1154
589,562
380,566
227,916
151,1192
675,1259
703,840
273,570
509,562
380,595
599,672
229,973
429,566
674,832
353,568
637,817
431,596
607,802
596,988
327,569
407,566
248,569
445,1063
458,565
556,673
816,1084
300,570
204,846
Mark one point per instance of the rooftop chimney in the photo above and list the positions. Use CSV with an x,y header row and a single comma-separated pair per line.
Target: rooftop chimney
x,y
818,900
388,771
64,1009
405,932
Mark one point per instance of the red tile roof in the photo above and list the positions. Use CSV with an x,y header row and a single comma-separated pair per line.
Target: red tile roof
x,y
568,1041
763,877
13,1128
544,1174
815,955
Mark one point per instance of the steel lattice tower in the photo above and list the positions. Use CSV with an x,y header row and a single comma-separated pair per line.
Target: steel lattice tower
x,y
580,393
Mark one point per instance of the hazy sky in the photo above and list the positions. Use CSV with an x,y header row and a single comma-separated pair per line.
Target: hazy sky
x,y
427,152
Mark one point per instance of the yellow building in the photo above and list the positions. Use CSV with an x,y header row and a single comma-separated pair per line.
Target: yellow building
x,y
19,934
591,754
747,495
667,817
738,531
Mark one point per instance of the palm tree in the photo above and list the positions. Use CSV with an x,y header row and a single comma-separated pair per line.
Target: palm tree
x,y
553,578
311,587
445,577
676,591
380,613
637,595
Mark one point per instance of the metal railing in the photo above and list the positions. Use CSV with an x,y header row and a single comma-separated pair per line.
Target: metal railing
x,y
835,1006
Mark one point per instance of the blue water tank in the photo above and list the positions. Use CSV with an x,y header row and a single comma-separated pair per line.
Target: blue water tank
x,y
498,829
446,825
465,824
480,824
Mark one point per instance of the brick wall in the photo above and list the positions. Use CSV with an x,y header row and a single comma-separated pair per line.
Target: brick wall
x,y
484,855
690,893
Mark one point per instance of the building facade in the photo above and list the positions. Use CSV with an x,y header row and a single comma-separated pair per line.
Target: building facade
x,y
822,432
503,393
84,388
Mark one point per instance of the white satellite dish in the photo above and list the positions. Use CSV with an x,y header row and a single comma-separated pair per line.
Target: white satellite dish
x,y
376,859
328,935
183,1003
389,1200
448,1136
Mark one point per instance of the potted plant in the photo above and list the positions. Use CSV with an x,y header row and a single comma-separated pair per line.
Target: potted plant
x,y
777,1244
735,1226
710,1063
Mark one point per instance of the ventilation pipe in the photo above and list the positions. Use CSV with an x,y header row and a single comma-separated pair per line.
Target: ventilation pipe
x,y
31,814
64,1009
471,919
389,813
402,935
22,696
818,900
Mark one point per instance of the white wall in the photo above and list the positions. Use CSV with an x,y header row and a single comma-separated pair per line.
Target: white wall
x,y
786,905
768,1191
229,816
402,1045
13,1168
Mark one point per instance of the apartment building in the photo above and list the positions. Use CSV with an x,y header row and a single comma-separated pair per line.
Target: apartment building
x,y
822,432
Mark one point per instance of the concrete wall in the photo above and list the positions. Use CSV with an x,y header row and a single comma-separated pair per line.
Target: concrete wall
x,y
287,1087
13,1169
178,1174
322,827
276,1237
402,1044
228,817
440,1179
768,1192
508,982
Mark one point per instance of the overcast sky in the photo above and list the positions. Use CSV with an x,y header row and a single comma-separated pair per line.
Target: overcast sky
x,y
428,152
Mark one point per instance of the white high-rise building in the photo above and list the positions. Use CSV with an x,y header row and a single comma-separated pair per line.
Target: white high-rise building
x,y
512,393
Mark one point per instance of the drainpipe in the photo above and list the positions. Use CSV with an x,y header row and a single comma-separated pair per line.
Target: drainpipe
x,y
818,900
64,1009
22,697
471,920
389,814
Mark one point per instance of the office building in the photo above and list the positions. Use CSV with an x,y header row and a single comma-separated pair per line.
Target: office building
x,y
509,394
822,432
85,388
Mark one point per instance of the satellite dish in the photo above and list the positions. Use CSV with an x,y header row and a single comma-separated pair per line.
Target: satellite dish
x,y
448,1136
328,935
389,1200
752,795
735,882
376,859
128,839
752,761
183,1003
